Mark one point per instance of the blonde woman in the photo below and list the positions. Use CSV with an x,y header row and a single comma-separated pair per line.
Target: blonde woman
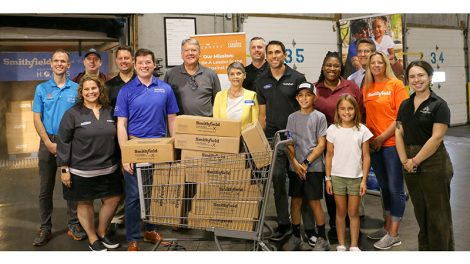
x,y
236,102
383,93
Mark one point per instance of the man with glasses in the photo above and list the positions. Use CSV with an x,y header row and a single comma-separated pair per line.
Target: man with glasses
x,y
365,47
194,85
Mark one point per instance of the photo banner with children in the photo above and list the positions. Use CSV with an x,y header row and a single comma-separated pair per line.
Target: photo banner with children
x,y
385,31
219,50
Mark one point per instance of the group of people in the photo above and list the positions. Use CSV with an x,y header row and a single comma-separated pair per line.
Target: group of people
x,y
82,125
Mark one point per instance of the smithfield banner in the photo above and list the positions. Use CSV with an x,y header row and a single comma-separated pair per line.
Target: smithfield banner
x,y
385,31
36,66
219,50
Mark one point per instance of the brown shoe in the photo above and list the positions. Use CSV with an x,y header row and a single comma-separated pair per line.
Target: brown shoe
x,y
154,237
133,246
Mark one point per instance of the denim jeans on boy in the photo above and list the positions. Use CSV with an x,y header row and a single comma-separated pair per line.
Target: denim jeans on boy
x,y
281,198
132,208
388,170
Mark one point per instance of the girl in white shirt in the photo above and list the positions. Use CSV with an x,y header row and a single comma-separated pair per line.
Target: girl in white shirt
x,y
347,165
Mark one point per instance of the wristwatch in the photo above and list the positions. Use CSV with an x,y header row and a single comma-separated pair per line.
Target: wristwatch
x,y
327,178
306,162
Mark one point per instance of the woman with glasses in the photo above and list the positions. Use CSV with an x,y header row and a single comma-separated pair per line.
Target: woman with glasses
x,y
236,102
330,86
422,122
383,93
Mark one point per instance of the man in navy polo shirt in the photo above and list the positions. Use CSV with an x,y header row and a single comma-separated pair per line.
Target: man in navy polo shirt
x,y
276,90
146,107
51,100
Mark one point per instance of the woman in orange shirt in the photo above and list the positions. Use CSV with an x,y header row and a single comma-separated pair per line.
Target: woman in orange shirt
x,y
383,94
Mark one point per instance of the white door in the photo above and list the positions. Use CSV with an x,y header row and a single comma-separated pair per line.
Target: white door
x,y
443,48
307,41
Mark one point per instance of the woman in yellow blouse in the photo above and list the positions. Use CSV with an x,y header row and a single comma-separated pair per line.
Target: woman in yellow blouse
x,y
236,102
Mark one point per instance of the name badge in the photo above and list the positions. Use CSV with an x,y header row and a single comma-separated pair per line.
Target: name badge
x,y
250,102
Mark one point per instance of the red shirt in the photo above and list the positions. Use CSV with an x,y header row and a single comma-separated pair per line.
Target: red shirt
x,y
326,98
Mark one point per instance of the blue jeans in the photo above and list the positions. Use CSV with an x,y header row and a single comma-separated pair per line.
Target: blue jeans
x,y
388,169
132,208
281,199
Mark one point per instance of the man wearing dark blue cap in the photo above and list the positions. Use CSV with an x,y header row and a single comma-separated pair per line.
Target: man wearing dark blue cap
x,y
92,63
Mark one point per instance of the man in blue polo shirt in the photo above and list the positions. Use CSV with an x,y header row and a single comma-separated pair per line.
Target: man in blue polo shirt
x,y
51,100
146,107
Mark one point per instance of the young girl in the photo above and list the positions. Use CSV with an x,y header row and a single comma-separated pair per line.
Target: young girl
x,y
347,166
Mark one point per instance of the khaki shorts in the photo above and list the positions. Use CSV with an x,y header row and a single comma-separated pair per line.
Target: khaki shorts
x,y
343,186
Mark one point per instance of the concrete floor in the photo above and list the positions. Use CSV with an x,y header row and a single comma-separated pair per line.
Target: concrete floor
x,y
19,216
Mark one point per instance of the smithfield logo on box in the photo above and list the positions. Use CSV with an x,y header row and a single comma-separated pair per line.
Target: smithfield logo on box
x,y
205,125
226,205
219,172
207,141
148,151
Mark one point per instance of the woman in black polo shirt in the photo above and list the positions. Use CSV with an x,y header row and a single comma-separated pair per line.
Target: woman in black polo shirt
x,y
422,122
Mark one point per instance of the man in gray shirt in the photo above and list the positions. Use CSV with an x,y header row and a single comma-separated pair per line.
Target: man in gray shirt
x,y
194,85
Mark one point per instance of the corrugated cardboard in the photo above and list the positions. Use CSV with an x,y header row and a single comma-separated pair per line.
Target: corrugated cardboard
x,y
208,143
242,191
167,195
23,143
19,123
21,106
141,150
235,161
199,125
256,141
203,222
226,208
217,174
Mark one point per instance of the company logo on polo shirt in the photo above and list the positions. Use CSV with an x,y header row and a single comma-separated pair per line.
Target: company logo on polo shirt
x,y
426,110
380,93
267,86
287,84
116,108
110,121
159,90
85,123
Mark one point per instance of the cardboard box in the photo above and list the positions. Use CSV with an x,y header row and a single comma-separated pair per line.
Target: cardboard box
x,y
199,125
208,143
235,161
19,123
23,143
204,222
141,150
217,174
166,206
21,106
242,191
226,208
257,144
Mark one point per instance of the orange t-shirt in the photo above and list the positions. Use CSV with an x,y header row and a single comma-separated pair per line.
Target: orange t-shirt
x,y
382,102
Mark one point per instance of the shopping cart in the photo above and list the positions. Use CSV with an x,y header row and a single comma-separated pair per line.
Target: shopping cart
x,y
226,195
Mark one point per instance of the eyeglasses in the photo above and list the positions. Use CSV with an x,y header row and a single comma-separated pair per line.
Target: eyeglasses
x,y
193,83
365,51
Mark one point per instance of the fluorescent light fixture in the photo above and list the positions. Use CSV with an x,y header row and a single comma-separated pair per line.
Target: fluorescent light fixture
x,y
439,77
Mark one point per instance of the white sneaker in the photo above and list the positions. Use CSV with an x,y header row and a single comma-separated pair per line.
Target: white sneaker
x,y
387,242
354,249
340,248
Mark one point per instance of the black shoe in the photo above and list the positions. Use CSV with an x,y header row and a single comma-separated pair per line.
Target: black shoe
x,y
97,246
42,237
281,233
108,243
112,229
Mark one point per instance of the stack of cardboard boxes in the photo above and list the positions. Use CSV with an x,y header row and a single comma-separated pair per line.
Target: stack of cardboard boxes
x,y
21,134
219,188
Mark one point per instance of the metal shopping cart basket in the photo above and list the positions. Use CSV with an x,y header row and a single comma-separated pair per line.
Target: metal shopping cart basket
x,y
224,194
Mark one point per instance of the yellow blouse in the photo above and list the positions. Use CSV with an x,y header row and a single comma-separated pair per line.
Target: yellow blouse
x,y
250,106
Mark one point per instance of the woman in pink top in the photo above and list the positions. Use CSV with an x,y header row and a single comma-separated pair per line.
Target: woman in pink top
x,y
383,94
